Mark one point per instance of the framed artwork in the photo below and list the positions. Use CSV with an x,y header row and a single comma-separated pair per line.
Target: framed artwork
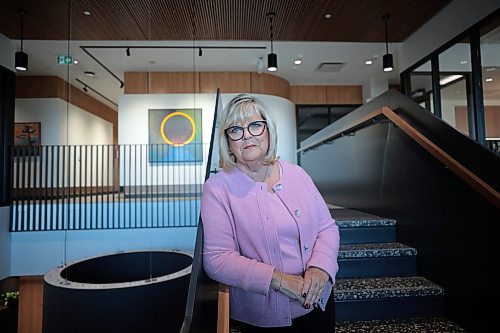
x,y
27,139
175,135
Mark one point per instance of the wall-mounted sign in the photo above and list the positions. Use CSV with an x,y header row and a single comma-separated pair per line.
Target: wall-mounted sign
x,y
64,59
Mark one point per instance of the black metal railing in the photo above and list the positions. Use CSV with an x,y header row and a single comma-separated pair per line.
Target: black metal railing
x,y
493,145
78,187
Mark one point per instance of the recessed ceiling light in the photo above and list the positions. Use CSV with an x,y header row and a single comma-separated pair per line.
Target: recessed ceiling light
x,y
490,69
297,61
369,62
86,13
463,62
89,73
75,62
328,15
489,79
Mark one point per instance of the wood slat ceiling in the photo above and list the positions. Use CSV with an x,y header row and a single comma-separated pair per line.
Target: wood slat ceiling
x,y
297,20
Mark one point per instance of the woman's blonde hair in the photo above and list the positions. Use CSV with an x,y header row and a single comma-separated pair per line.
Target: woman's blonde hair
x,y
237,111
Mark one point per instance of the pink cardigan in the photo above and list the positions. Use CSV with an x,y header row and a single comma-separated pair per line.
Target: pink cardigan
x,y
241,247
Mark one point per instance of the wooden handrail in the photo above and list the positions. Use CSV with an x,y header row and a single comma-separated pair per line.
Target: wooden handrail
x,y
223,309
488,192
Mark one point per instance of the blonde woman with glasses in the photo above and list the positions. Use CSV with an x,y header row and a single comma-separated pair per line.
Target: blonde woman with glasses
x,y
268,233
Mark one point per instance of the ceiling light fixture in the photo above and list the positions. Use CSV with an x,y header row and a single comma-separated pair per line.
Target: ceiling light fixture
x,y
86,13
89,73
127,51
369,62
489,79
328,15
272,58
260,65
387,59
450,78
21,57
297,61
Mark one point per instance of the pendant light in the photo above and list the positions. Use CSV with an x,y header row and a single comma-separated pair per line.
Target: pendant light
x,y
21,57
272,58
387,59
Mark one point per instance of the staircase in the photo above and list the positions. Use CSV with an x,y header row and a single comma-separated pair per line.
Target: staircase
x,y
377,287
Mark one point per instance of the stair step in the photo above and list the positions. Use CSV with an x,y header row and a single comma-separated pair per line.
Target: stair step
x,y
387,298
412,325
358,227
376,260
375,250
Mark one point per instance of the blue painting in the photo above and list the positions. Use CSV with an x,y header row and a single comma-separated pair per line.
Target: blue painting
x,y
175,135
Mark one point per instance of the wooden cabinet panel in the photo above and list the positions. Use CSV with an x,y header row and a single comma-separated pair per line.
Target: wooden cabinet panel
x,y
136,83
342,95
492,115
269,84
228,82
174,83
40,87
307,95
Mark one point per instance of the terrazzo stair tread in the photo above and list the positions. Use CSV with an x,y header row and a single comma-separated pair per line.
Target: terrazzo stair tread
x,y
349,218
387,298
375,250
385,287
376,260
358,227
411,325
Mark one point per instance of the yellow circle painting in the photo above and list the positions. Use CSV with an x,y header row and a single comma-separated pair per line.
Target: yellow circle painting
x,y
177,132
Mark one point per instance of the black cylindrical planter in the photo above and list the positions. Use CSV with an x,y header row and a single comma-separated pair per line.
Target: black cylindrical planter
x,y
143,291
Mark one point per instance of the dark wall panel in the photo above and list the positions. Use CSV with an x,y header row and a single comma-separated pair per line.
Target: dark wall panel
x,y
7,91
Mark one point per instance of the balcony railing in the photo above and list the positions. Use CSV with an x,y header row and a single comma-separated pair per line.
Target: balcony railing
x,y
107,186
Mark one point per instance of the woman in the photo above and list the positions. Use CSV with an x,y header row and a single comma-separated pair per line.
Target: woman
x,y
268,233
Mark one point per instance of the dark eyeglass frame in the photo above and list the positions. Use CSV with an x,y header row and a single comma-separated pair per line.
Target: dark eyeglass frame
x,y
226,131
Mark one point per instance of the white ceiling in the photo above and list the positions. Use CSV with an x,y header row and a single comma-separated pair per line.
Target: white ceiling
x,y
43,61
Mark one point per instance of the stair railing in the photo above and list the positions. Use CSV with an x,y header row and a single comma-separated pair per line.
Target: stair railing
x,y
469,177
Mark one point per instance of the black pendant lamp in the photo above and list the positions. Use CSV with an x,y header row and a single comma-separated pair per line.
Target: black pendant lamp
x,y
272,58
387,59
21,57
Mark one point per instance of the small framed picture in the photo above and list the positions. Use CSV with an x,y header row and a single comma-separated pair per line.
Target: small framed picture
x,y
27,139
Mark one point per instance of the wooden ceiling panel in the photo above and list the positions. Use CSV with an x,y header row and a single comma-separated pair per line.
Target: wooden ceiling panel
x,y
298,20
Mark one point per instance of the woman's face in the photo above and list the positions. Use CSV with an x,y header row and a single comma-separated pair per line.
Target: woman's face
x,y
250,148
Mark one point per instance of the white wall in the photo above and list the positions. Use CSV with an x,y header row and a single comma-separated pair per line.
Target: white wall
x,y
456,17
63,123
133,129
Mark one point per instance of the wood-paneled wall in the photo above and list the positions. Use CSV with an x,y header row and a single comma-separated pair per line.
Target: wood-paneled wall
x,y
326,95
30,304
205,82
234,82
55,87
492,120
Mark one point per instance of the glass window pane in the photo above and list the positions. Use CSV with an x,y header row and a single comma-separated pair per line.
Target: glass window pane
x,y
421,86
490,60
455,77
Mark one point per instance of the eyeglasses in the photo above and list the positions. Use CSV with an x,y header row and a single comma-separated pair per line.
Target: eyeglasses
x,y
255,128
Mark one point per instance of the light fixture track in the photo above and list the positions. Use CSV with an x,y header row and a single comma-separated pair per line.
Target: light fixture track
x,y
86,87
